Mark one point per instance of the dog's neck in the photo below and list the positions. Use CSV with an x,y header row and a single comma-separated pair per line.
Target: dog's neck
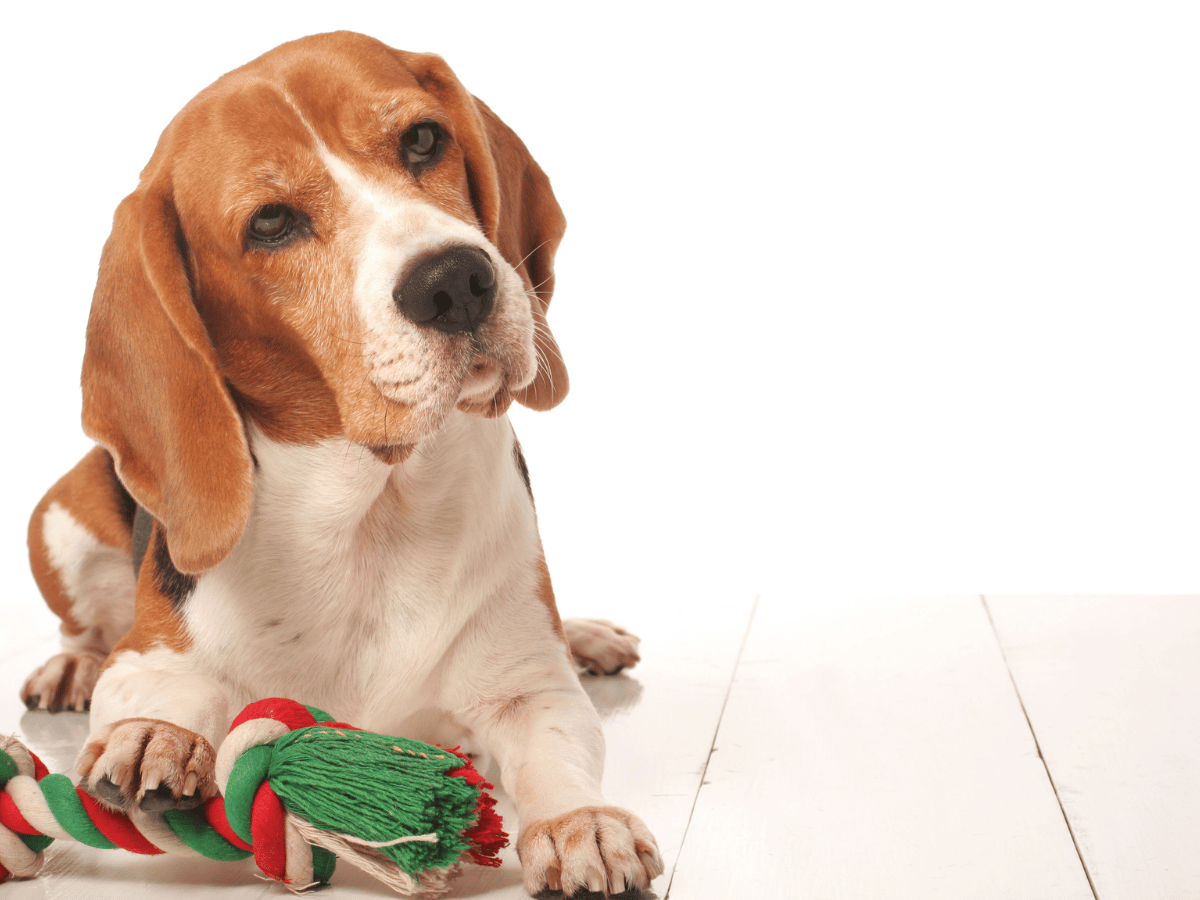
x,y
335,486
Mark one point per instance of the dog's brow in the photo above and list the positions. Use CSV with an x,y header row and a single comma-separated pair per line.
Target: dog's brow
x,y
346,176
393,113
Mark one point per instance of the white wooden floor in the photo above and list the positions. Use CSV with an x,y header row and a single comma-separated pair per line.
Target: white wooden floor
x,y
807,747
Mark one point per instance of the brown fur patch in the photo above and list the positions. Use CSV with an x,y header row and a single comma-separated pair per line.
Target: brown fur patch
x,y
390,456
157,621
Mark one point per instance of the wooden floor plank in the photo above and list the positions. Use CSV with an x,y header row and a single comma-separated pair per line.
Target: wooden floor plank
x,y
875,749
1112,689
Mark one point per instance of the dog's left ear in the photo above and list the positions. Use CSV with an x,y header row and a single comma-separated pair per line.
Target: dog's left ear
x,y
516,208
153,391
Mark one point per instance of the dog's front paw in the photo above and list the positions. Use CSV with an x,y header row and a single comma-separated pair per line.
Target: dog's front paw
x,y
595,848
147,763
65,681
599,647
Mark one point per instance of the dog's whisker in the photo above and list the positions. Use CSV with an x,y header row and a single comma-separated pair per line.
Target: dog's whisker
x,y
538,287
530,253
387,441
544,347
343,339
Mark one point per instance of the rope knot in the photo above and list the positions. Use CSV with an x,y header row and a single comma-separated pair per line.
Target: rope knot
x,y
299,791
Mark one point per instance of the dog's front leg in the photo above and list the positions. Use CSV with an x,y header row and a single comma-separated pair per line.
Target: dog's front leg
x,y
155,724
550,748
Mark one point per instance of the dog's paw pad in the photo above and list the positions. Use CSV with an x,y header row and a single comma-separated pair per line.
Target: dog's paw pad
x,y
107,792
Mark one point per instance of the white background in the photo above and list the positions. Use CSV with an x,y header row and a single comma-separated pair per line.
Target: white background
x,y
857,295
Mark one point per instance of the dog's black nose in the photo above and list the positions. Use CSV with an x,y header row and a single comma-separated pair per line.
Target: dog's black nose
x,y
452,291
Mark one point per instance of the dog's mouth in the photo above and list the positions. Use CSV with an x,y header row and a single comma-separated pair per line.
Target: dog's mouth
x,y
483,376
479,383
484,391
427,373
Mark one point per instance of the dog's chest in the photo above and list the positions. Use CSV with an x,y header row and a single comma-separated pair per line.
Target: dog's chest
x,y
354,581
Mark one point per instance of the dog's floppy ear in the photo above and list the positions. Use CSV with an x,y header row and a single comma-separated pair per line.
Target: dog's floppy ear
x,y
516,208
153,394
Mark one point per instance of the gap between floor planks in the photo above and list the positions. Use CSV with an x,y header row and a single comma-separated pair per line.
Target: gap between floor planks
x,y
1112,689
1033,733
876,748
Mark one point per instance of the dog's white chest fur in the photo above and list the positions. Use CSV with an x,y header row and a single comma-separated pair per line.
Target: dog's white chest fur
x,y
358,587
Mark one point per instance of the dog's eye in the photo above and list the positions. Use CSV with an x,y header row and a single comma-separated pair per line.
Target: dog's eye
x,y
272,224
420,144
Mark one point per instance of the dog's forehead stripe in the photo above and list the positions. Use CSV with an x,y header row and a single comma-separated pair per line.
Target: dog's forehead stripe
x,y
360,190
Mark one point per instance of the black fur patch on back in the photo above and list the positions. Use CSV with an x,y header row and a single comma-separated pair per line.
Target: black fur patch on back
x,y
521,466
171,583
143,523
126,505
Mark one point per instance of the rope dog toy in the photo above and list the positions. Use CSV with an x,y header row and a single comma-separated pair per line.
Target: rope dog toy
x,y
298,791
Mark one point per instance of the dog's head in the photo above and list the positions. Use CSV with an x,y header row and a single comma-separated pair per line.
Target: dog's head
x,y
336,239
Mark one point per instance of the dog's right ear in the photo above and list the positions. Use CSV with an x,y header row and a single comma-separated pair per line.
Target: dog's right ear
x,y
153,393
515,206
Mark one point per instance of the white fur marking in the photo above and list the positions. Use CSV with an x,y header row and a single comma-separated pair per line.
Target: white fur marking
x,y
99,580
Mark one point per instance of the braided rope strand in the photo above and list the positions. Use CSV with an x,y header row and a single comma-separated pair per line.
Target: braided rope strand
x,y
432,809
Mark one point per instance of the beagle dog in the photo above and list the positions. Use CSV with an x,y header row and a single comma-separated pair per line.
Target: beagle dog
x,y
310,319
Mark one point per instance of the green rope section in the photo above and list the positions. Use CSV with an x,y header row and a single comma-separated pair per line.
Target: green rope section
x,y
192,827
68,810
322,774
